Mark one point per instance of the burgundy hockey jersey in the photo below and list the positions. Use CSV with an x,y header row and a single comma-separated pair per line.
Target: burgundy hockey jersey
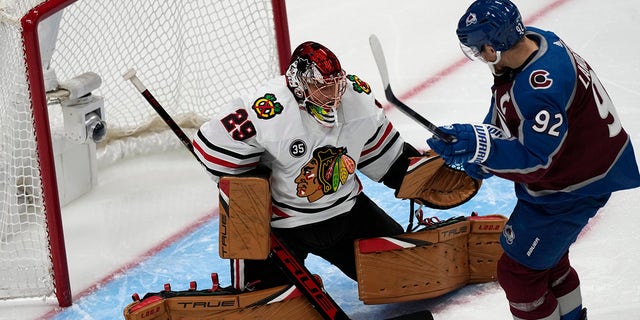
x,y
563,138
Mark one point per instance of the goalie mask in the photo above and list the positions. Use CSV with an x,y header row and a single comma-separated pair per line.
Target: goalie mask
x,y
317,81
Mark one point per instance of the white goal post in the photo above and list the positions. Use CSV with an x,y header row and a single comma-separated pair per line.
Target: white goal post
x,y
56,54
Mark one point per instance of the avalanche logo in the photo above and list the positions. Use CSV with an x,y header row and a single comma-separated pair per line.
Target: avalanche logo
x,y
266,107
359,85
471,19
539,79
508,234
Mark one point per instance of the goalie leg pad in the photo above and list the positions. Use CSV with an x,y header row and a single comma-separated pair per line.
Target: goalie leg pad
x,y
430,262
412,266
282,302
245,216
484,247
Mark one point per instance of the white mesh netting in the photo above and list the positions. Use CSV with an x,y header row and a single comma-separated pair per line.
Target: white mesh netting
x,y
192,55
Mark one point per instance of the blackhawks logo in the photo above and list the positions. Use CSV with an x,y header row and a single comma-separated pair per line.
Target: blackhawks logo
x,y
267,107
359,85
328,169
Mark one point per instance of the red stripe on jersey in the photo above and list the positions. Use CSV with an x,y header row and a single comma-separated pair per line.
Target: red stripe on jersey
x,y
219,161
279,212
382,139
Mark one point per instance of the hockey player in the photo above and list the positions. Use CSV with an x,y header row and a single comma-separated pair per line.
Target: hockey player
x,y
312,129
553,130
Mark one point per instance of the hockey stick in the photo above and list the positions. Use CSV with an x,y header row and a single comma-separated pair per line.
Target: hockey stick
x,y
304,280
378,55
280,254
130,75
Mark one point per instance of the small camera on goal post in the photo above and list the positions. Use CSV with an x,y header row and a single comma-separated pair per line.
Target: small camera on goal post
x,y
83,117
82,111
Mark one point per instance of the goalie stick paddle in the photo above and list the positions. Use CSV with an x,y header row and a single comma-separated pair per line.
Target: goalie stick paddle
x,y
378,55
280,254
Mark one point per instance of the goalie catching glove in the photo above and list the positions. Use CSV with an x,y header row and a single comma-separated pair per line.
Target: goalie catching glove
x,y
434,184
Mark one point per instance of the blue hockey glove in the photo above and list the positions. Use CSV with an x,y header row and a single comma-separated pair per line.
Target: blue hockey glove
x,y
472,144
476,171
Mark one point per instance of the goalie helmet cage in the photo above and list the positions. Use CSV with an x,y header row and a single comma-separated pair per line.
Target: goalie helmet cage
x,y
195,54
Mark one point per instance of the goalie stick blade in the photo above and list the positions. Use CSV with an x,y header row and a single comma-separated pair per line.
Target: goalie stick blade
x,y
420,315
381,62
378,55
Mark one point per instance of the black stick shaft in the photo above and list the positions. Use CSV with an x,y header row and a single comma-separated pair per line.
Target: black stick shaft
x,y
168,120
381,62
416,116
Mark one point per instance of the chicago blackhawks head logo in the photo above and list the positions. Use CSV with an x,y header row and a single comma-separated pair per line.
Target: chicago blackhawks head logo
x,y
267,107
329,168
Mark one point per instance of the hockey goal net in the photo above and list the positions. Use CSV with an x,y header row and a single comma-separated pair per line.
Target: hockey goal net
x,y
193,54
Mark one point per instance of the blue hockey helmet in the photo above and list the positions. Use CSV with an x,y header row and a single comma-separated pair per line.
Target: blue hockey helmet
x,y
490,22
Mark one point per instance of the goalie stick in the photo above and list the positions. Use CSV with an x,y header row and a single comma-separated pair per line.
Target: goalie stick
x,y
378,55
280,254
131,76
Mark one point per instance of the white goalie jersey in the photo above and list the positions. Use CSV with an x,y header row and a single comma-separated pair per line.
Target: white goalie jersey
x,y
313,167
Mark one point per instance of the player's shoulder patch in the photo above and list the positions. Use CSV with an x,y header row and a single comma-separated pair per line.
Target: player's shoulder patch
x,y
358,84
267,106
540,79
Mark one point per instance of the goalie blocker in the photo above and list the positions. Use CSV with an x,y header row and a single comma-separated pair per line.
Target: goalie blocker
x,y
245,216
